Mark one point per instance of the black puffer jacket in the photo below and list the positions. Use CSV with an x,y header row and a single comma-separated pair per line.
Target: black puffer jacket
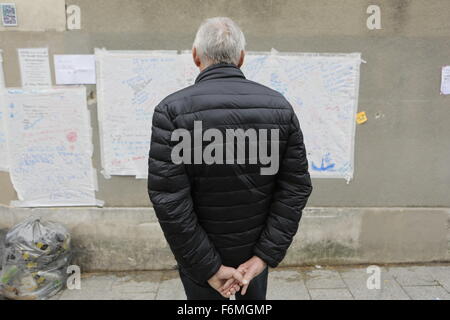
x,y
226,213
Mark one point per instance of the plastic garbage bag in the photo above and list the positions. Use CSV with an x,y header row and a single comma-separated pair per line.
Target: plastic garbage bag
x,y
36,256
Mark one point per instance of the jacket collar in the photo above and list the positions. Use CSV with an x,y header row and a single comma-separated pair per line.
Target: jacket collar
x,y
220,71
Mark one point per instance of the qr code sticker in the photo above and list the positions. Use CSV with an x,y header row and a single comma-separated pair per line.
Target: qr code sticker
x,y
9,15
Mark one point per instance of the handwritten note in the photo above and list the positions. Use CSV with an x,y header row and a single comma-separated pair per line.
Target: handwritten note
x,y
323,91
50,159
129,87
445,80
34,67
3,144
322,88
74,68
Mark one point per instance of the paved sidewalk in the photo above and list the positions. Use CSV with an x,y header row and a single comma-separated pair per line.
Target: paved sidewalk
x,y
397,282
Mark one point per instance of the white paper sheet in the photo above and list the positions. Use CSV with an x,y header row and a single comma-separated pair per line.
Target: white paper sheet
x,y
129,86
74,69
34,67
322,88
3,144
51,147
445,80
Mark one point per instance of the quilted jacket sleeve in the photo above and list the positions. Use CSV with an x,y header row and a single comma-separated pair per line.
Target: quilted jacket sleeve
x,y
170,192
293,187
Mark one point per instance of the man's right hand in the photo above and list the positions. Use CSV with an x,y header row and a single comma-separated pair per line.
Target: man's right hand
x,y
224,274
245,273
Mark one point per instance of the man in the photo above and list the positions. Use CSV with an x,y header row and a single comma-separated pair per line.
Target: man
x,y
226,220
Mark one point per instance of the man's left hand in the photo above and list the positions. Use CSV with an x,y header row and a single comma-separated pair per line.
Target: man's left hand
x,y
249,269
225,273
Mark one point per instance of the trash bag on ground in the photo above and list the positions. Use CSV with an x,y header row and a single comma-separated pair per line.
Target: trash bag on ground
x,y
35,259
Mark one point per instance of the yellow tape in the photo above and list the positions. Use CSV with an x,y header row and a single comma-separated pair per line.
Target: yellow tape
x,y
361,117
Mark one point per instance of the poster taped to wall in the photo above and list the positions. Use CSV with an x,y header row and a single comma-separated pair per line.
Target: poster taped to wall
x,y
34,67
322,88
50,160
3,145
129,86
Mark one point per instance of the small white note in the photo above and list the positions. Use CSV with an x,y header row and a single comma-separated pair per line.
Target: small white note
x,y
34,67
445,80
74,68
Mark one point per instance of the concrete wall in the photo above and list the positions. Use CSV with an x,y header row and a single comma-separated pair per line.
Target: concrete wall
x,y
401,153
131,239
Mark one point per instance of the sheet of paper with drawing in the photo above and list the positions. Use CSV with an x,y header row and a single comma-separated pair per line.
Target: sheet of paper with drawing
x,y
322,88
50,159
129,86
3,145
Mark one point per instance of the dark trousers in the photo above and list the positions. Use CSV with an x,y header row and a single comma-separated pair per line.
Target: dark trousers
x,y
194,291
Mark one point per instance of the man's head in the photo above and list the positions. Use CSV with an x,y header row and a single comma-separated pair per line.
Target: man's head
x,y
218,40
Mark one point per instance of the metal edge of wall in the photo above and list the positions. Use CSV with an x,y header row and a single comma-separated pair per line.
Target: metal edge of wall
x,y
118,239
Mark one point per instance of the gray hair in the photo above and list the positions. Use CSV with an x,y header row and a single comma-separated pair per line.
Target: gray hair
x,y
219,40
